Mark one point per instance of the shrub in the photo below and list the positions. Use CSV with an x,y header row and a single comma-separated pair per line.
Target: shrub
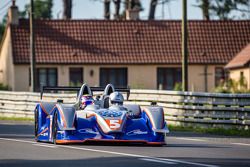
x,y
3,87
232,86
178,86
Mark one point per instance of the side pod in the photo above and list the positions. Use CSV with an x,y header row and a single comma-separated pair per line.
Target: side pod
x,y
66,116
156,117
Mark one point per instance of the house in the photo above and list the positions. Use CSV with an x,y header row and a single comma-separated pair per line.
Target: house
x,y
239,66
141,54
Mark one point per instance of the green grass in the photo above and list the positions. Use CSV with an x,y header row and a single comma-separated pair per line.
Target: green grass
x,y
16,119
215,131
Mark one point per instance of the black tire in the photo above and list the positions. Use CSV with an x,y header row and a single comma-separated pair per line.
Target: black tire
x,y
36,123
54,129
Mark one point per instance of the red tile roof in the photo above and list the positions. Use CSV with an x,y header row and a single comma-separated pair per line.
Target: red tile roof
x,y
129,42
241,59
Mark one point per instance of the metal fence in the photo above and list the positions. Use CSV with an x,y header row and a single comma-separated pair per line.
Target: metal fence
x,y
181,108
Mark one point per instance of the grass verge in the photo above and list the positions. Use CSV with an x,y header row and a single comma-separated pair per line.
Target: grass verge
x,y
215,131
16,119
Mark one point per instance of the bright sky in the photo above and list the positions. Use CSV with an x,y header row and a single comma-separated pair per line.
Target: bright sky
x,y
93,9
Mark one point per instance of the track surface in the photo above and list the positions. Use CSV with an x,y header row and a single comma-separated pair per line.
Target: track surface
x,y
18,148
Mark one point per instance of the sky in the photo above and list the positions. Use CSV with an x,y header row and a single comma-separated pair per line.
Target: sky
x,y
93,9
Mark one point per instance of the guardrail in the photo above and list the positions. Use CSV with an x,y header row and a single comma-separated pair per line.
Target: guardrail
x,y
181,108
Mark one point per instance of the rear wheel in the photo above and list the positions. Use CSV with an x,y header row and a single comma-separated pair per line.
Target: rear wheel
x,y
54,129
36,123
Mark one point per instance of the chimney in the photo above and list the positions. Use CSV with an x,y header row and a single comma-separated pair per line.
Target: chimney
x,y
132,14
13,17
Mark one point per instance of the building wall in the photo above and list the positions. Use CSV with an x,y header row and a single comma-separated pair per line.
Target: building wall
x,y
235,74
6,62
139,76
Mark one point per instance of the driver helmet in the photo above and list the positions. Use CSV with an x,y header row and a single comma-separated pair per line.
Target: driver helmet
x,y
116,98
86,100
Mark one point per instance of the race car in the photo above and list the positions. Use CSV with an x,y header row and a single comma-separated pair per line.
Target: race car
x,y
104,118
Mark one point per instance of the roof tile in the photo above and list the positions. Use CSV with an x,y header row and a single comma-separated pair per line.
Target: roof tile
x,y
129,42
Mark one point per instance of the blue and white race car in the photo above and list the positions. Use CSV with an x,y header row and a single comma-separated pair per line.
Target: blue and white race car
x,y
105,118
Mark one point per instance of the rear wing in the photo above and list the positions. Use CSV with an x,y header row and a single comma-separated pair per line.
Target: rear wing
x,y
77,89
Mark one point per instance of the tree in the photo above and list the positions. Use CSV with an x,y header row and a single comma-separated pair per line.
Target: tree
x,y
223,8
43,9
117,8
67,9
107,9
204,5
2,26
152,8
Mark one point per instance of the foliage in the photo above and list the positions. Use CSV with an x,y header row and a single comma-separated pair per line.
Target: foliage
x,y
217,131
178,86
4,87
223,9
75,84
16,118
42,9
137,86
232,86
2,27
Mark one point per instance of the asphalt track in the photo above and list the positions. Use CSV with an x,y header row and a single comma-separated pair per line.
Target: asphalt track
x,y
18,148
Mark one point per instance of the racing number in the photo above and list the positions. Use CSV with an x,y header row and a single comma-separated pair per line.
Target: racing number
x,y
114,123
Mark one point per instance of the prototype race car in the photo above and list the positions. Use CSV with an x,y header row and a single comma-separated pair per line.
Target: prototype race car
x,y
104,118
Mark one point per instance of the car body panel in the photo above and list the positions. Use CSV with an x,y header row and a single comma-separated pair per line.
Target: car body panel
x,y
118,123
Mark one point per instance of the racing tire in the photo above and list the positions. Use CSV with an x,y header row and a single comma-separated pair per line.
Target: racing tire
x,y
36,123
54,129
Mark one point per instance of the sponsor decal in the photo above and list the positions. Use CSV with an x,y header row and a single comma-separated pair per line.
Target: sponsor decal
x,y
88,130
110,113
114,123
136,132
60,132
44,134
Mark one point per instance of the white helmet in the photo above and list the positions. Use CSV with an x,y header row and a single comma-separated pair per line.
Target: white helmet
x,y
116,98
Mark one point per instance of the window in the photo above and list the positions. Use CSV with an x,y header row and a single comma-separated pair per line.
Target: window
x,y
221,75
116,76
75,76
46,77
167,78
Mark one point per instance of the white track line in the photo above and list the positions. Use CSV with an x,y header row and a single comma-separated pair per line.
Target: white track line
x,y
119,153
241,144
16,135
45,145
190,139
160,161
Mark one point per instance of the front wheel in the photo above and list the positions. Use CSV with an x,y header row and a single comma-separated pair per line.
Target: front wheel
x,y
54,129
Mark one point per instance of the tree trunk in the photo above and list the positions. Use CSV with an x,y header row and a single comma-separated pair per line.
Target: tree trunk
x,y
152,8
117,8
205,9
107,9
67,9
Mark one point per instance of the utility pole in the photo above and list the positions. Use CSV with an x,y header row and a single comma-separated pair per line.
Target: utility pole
x,y
184,47
32,49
